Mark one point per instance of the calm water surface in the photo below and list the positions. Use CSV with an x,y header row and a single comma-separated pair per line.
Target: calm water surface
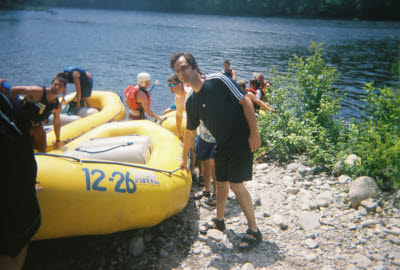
x,y
116,45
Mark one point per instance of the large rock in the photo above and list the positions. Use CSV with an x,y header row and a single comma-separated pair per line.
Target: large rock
x,y
351,160
362,188
136,246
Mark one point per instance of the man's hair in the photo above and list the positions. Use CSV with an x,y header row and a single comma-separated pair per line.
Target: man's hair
x,y
174,78
59,78
189,58
242,84
64,75
254,82
227,62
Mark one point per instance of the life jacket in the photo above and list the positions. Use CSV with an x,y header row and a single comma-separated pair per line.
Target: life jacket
x,y
262,93
130,94
84,75
251,90
42,109
228,73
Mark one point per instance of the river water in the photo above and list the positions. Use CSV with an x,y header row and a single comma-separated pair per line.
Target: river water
x,y
114,46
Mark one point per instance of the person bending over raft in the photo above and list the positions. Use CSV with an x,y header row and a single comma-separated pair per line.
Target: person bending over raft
x,y
83,83
40,102
138,98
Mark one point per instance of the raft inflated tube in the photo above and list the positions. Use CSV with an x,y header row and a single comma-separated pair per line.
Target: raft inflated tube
x,y
65,119
135,138
86,111
132,153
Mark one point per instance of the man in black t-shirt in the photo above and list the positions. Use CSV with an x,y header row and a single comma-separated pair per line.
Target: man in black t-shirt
x,y
229,115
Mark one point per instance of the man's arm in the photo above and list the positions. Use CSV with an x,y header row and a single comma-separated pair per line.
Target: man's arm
x,y
180,108
254,138
77,82
142,98
259,102
234,75
32,93
188,140
57,126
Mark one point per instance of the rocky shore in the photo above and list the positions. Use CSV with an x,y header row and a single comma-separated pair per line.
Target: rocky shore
x,y
309,220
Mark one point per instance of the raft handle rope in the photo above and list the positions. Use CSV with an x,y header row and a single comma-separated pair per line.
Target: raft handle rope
x,y
110,163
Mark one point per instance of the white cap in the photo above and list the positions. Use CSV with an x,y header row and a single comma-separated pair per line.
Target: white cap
x,y
142,78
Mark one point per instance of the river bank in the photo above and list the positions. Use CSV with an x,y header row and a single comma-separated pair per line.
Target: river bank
x,y
304,217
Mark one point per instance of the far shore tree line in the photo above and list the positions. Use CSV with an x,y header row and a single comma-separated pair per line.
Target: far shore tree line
x,y
344,9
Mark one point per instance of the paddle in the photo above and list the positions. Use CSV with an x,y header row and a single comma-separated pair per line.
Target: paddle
x,y
155,83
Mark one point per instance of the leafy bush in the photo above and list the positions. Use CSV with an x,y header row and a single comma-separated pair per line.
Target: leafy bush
x,y
376,139
305,103
305,122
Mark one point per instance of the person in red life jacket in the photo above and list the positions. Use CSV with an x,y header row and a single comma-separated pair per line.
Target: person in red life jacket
x,y
228,71
252,94
138,98
83,83
41,102
264,86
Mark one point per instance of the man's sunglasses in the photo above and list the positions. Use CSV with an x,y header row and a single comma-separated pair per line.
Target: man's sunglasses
x,y
173,84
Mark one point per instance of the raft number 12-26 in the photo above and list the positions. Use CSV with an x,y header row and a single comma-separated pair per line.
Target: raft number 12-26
x,y
123,183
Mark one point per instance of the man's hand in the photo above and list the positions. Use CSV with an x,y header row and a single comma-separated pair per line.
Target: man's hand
x,y
38,187
254,141
183,166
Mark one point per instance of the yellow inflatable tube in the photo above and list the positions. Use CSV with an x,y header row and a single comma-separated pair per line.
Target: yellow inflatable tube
x,y
88,196
110,108
170,122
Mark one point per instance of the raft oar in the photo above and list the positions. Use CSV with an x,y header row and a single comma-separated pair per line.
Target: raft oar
x,y
155,83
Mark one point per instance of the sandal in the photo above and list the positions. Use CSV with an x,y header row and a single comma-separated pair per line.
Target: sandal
x,y
212,201
201,194
252,241
214,224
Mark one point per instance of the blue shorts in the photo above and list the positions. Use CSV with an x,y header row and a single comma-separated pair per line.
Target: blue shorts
x,y
204,150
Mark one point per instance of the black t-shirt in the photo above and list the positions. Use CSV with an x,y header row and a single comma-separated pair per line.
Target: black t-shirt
x,y
217,105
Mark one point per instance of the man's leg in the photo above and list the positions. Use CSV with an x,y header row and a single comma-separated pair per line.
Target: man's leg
x,y
222,196
13,263
207,175
245,202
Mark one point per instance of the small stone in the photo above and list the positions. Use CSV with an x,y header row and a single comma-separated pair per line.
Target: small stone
x,y
136,246
369,223
311,244
164,253
361,261
377,257
215,235
294,167
309,221
262,166
279,220
370,205
351,226
344,179
292,190
311,257
395,231
247,266
196,251
207,252
393,239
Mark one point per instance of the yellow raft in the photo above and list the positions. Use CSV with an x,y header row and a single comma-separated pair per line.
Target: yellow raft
x,y
110,109
170,122
85,196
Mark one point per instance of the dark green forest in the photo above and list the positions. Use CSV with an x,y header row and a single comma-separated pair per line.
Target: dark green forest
x,y
346,9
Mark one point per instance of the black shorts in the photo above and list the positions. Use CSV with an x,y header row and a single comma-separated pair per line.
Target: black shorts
x,y
233,164
13,246
204,150
86,88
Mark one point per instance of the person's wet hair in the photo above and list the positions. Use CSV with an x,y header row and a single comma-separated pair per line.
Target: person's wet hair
x,y
60,79
174,79
227,62
254,82
242,84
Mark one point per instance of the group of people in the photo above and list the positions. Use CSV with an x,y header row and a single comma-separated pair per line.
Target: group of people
x,y
22,111
220,114
43,101
221,118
